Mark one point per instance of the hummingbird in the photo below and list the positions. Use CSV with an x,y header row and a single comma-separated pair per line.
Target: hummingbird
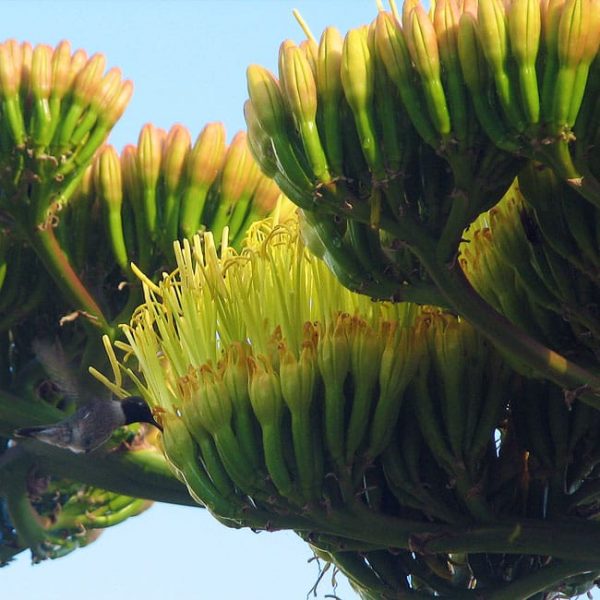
x,y
94,422
91,425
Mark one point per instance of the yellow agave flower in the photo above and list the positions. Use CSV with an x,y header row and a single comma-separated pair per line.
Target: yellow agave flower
x,y
279,390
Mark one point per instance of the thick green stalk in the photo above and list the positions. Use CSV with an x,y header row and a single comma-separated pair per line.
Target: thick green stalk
x,y
459,295
546,578
137,473
57,264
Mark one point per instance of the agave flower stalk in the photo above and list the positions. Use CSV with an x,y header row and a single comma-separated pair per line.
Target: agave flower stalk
x,y
57,109
267,375
410,222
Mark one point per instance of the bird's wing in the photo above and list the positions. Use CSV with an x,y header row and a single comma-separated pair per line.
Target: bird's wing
x,y
52,357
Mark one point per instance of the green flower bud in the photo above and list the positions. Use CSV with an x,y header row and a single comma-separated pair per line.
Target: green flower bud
x,y
260,143
267,403
212,401
366,350
267,100
310,49
475,73
358,81
149,157
334,363
41,82
297,376
357,71
493,35
422,43
107,177
524,29
393,50
265,392
107,182
177,443
330,93
300,90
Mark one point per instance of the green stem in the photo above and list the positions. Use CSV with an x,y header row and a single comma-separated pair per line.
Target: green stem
x,y
576,540
57,264
541,580
137,473
30,530
458,293
504,334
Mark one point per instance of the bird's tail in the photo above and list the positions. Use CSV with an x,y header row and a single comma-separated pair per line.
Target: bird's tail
x,y
30,432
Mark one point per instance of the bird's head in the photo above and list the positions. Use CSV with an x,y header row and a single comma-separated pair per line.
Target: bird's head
x,y
136,410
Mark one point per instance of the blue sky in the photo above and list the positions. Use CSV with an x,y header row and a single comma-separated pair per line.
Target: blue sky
x,y
187,61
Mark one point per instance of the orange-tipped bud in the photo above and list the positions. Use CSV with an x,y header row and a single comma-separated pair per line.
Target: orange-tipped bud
x,y
207,155
149,155
129,172
329,83
107,89
113,111
9,75
41,71
266,195
61,67
239,171
26,53
87,81
78,61
265,391
176,150
107,176
310,49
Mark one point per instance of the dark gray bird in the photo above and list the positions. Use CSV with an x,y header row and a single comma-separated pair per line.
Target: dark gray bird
x,y
95,421
91,425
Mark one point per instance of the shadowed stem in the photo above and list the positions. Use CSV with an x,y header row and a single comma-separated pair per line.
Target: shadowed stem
x,y
57,264
458,293
546,578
